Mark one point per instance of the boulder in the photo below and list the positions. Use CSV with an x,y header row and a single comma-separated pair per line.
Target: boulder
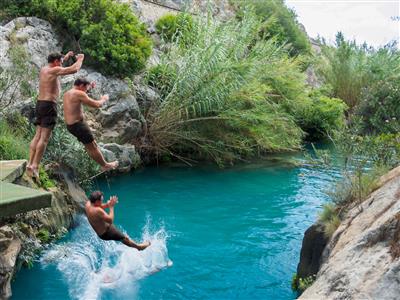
x,y
36,35
126,155
314,243
10,247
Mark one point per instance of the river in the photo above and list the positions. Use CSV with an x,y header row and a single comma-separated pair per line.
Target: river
x,y
216,234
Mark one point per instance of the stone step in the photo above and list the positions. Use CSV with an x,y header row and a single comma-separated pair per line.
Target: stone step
x,y
16,199
10,170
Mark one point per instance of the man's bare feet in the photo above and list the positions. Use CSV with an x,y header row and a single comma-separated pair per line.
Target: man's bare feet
x,y
143,246
35,173
110,166
29,171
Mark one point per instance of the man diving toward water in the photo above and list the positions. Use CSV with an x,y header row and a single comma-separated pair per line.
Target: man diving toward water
x,y
46,106
76,125
102,222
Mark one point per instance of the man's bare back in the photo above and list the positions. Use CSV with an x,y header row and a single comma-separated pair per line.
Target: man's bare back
x,y
102,222
95,217
73,111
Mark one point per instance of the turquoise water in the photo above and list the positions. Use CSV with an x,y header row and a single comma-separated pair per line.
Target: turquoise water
x,y
231,234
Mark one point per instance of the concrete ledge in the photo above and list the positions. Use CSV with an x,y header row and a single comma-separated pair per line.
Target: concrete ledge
x,y
10,170
16,199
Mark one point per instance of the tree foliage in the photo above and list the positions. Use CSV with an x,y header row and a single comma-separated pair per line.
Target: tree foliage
x,y
279,22
172,26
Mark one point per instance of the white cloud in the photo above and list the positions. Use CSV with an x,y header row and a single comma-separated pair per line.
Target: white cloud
x,y
363,20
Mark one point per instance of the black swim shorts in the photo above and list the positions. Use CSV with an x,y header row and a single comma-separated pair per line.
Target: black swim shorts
x,y
112,234
81,131
46,113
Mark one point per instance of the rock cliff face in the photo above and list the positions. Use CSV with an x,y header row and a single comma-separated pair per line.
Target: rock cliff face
x,y
361,261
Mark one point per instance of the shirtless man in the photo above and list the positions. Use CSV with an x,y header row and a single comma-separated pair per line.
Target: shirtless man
x,y
76,125
46,106
102,222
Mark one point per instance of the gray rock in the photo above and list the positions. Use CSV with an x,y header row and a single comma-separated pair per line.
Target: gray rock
x,y
126,155
10,247
36,35
314,242
361,261
38,38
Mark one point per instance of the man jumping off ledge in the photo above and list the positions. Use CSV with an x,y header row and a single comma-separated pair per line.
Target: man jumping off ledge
x,y
102,222
46,106
76,125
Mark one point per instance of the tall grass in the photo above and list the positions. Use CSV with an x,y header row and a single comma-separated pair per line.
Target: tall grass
x,y
213,104
13,145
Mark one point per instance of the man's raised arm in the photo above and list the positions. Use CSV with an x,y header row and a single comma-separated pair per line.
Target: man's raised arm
x,y
71,69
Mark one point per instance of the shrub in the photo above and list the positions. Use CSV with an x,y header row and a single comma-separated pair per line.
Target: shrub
x,y
329,218
379,108
116,44
45,181
12,144
321,115
171,27
43,235
65,150
301,284
161,77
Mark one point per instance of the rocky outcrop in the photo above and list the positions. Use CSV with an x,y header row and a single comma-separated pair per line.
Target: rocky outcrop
x,y
314,243
361,261
125,154
150,11
22,236
10,246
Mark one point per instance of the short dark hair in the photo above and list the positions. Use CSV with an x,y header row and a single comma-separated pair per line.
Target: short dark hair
x,y
54,56
81,81
95,196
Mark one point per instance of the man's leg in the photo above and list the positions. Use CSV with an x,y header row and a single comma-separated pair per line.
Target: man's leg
x,y
127,241
95,153
32,149
41,145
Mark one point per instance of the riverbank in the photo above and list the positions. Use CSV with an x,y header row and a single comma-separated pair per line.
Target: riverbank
x,y
360,260
25,235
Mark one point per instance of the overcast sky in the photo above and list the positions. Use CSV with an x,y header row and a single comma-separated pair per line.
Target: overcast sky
x,y
376,22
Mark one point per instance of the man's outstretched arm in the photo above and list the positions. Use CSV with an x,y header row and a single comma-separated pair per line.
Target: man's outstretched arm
x,y
71,69
85,99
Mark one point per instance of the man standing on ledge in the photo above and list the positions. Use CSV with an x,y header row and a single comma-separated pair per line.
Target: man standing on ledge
x,y
102,222
76,125
46,106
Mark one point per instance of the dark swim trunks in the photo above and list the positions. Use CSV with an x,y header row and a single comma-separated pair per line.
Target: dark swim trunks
x,y
112,234
46,114
81,131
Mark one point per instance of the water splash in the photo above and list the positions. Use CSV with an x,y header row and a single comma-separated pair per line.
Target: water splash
x,y
91,266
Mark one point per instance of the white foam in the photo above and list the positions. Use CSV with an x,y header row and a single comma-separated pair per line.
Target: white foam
x,y
90,265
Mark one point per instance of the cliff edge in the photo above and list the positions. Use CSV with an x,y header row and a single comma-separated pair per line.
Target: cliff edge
x,y
361,261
